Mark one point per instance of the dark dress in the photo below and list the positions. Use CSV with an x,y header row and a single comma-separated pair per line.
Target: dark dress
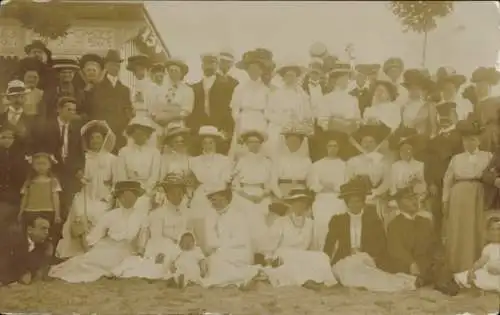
x,y
316,142
113,105
490,174
16,259
372,237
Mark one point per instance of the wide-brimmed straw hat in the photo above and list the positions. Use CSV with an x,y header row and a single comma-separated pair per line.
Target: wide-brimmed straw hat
x,y
138,61
252,57
141,122
295,129
173,179
299,194
378,132
291,64
103,128
128,185
179,63
469,128
415,77
368,69
176,128
357,186
16,87
61,64
261,134
483,74
393,62
210,131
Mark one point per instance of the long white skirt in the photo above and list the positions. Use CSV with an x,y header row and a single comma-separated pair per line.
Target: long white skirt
x,y
230,267
325,206
300,266
90,210
98,262
145,267
360,271
484,280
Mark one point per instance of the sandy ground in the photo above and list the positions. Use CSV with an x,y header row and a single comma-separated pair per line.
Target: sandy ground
x,y
140,297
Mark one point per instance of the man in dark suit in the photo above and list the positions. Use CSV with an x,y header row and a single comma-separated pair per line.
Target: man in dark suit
x,y
25,255
15,116
64,86
212,97
363,221
61,137
365,76
226,63
110,100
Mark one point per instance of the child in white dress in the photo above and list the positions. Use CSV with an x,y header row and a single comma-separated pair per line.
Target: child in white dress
x,y
190,265
484,273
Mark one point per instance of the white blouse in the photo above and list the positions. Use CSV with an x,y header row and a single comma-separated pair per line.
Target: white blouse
x,y
287,105
141,164
372,165
173,162
227,230
291,166
168,221
387,113
248,104
404,173
327,172
211,168
143,93
119,224
176,98
253,172
98,174
337,104
297,233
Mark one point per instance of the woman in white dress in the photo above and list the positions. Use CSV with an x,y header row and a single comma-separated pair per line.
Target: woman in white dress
x,y
288,105
252,182
417,112
371,164
325,178
229,243
166,224
139,161
300,265
383,109
392,71
116,236
249,100
208,167
339,111
290,166
94,199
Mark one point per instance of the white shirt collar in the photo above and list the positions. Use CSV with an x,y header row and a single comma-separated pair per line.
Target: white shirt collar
x,y
31,244
355,216
472,153
112,79
408,216
16,111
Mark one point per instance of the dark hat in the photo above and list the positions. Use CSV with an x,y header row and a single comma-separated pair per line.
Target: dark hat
x,y
65,64
91,58
173,179
36,44
128,185
367,69
402,193
378,132
393,62
456,79
113,56
298,194
252,57
403,135
267,55
138,60
179,63
482,74
340,69
30,64
415,77
442,72
158,67
468,128
391,88
357,186
278,207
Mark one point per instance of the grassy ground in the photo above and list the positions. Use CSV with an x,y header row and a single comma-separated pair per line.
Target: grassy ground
x,y
140,297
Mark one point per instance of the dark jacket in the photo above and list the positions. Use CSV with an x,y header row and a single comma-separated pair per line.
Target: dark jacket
x,y
372,237
220,96
13,173
24,128
51,97
113,105
16,259
490,174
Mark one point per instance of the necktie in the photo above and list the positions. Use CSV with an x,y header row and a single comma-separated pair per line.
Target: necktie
x,y
64,151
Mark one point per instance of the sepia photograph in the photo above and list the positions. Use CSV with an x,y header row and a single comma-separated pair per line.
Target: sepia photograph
x,y
249,157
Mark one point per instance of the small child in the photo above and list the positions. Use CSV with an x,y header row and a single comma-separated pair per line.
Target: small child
x,y
190,265
40,193
485,273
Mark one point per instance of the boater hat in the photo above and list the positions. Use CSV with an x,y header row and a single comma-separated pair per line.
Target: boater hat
x,y
16,87
141,122
340,69
262,135
91,58
176,128
415,77
210,131
132,186
367,69
61,64
298,194
173,179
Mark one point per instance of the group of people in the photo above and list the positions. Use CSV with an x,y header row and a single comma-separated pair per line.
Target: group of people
x,y
369,176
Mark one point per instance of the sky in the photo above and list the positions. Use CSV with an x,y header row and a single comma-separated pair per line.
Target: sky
x,y
464,40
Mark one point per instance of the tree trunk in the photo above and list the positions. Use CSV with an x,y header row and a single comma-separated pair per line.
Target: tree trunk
x,y
424,49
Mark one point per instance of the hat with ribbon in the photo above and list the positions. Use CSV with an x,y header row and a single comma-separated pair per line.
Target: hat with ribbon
x,y
128,185
176,128
210,131
16,87
393,62
254,132
138,61
36,44
179,63
61,64
140,122
291,64
359,186
91,59
113,56
173,179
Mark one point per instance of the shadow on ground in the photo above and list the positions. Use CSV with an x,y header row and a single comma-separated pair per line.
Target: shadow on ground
x,y
112,297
